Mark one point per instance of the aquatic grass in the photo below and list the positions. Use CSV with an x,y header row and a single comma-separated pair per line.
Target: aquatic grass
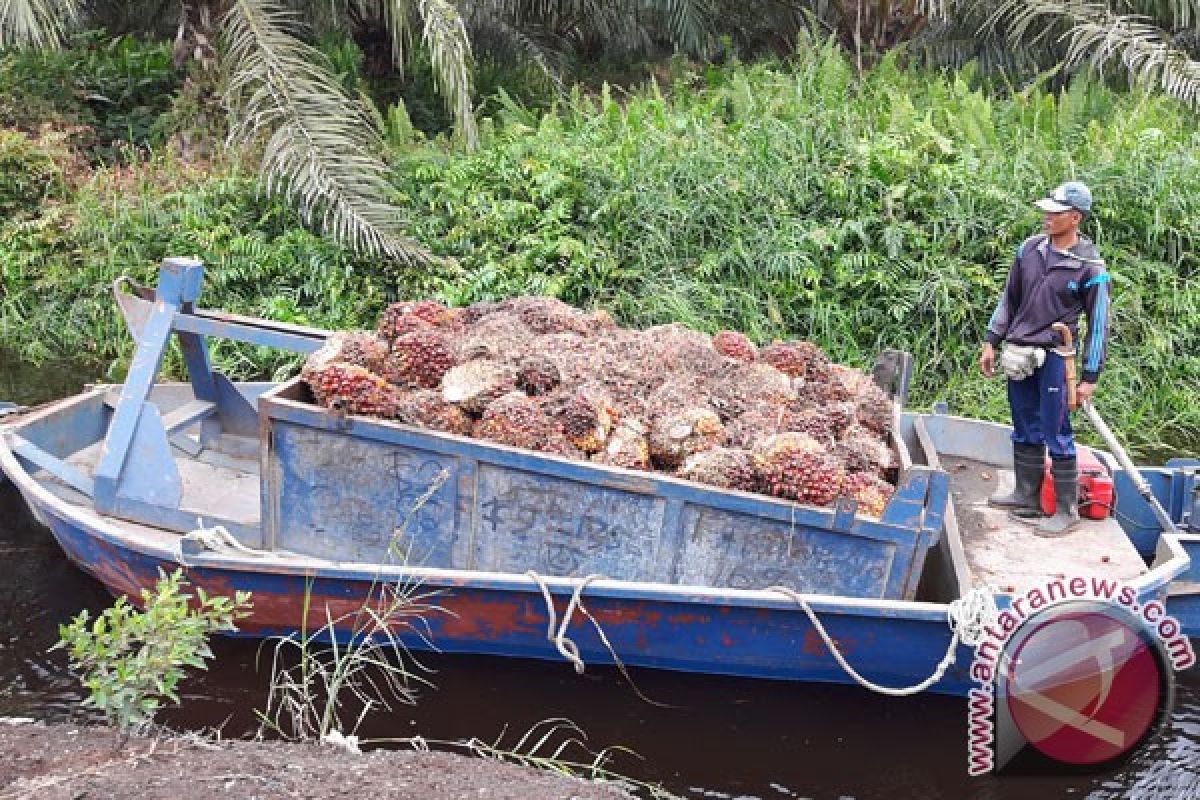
x,y
555,745
357,662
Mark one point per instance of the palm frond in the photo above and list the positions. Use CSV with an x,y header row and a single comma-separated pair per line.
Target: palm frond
x,y
36,23
490,30
450,52
689,23
319,144
1098,35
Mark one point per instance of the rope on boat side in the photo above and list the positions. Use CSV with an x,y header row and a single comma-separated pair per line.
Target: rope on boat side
x,y
967,617
566,646
216,539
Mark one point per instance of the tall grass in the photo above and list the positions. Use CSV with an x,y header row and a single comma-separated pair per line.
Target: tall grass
x,y
780,199
798,201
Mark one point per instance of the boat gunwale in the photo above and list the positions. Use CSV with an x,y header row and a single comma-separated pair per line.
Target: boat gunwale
x,y
1156,579
112,531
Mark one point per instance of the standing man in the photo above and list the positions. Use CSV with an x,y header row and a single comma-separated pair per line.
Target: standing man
x,y
1056,276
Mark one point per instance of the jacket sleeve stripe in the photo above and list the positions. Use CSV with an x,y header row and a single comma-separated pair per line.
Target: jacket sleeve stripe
x,y
1101,278
1097,327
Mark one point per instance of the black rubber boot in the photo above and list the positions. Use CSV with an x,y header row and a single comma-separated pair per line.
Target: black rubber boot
x,y
1029,467
1065,472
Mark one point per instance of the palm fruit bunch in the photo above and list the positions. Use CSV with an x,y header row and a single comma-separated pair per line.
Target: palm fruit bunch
x,y
533,372
475,384
739,388
735,345
587,417
547,315
425,408
363,349
668,396
840,416
626,446
875,409
796,359
498,336
815,422
405,317
844,383
537,374
675,347
725,467
797,467
356,348
515,419
419,359
871,492
353,389
861,450
675,436
748,429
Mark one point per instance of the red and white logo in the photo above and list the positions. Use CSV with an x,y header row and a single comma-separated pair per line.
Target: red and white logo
x,y
1083,683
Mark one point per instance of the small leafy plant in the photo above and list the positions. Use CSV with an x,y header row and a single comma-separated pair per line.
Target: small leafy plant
x,y
131,660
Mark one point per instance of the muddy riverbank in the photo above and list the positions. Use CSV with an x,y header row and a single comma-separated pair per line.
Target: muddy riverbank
x,y
62,761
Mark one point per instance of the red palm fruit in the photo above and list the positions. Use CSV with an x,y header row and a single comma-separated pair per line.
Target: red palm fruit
x,y
735,345
419,359
871,492
674,437
515,419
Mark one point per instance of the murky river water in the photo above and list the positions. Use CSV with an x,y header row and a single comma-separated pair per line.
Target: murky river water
x,y
720,738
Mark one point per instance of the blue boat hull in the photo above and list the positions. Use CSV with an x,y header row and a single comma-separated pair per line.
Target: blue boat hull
x,y
750,634
726,631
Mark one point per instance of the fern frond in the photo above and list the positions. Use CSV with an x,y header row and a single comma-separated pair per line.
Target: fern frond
x,y
319,144
36,23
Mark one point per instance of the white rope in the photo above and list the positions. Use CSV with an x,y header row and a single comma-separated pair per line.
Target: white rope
x,y
967,617
565,646
218,540
971,614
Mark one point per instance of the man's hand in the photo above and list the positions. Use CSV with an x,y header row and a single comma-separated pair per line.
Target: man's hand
x,y
987,360
1084,392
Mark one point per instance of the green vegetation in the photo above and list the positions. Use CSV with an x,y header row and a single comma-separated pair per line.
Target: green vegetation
x,y
110,92
785,200
130,661
315,139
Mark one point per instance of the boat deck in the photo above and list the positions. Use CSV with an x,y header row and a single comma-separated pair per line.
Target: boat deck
x,y
1005,553
216,484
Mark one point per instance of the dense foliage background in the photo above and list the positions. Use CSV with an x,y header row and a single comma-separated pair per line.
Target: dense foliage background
x,y
785,198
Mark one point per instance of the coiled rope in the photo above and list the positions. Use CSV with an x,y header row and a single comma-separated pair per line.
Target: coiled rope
x,y
968,618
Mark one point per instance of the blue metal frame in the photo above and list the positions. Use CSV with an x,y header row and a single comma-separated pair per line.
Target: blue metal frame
x,y
136,477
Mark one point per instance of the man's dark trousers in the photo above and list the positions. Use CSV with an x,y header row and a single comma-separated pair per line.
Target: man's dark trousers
x,y
1039,408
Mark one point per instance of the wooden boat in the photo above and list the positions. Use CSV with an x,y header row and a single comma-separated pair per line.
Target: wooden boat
x,y
317,511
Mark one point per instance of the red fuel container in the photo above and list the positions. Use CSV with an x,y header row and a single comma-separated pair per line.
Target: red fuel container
x,y
1095,486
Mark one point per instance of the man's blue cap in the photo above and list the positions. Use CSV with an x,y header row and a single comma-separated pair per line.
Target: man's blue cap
x,y
1067,196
